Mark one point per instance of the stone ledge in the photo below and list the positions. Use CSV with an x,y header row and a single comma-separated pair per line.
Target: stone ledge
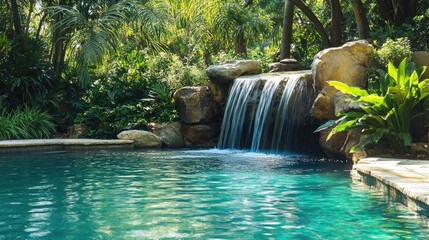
x,y
408,177
54,144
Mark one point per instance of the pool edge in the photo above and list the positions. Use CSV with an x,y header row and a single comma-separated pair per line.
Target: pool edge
x,y
402,180
22,146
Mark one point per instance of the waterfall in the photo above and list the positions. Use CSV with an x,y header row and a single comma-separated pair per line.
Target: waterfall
x,y
235,111
260,129
264,112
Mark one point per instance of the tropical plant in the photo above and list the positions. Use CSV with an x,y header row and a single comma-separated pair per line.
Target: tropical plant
x,y
93,31
242,25
393,50
25,123
385,116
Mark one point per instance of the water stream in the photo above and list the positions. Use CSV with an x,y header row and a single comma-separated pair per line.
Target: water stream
x,y
265,112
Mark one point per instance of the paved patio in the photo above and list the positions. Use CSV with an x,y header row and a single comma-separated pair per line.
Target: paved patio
x,y
55,144
399,176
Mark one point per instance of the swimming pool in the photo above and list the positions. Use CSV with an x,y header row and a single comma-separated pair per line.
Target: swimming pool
x,y
180,194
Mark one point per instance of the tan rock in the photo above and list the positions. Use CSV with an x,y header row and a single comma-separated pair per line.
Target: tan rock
x,y
285,66
170,133
200,135
342,104
332,147
194,104
227,72
346,64
142,139
421,58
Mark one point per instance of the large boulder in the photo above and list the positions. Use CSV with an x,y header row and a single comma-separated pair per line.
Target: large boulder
x,y
142,139
227,72
170,133
333,146
421,58
340,144
200,135
342,103
346,64
195,105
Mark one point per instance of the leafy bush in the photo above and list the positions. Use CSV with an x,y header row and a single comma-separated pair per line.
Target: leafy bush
x,y
26,78
132,89
391,51
5,46
25,123
384,116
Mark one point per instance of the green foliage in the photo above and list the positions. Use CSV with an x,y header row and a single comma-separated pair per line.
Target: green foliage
x,y
26,78
416,32
5,47
25,123
107,122
132,89
414,29
391,51
385,116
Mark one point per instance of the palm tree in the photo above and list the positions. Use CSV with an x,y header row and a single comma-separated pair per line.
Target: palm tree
x,y
242,24
91,30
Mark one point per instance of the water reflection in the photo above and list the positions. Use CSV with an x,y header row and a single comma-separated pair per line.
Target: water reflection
x,y
190,194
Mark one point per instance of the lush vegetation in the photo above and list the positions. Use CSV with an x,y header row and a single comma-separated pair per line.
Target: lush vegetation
x,y
25,123
387,111
113,64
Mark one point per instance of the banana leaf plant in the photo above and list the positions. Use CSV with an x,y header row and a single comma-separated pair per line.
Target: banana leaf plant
x,y
386,113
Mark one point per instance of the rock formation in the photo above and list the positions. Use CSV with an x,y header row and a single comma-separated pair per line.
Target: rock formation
x,y
142,139
346,64
201,108
285,65
170,134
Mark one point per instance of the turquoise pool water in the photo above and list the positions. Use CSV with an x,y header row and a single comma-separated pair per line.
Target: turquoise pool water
x,y
207,194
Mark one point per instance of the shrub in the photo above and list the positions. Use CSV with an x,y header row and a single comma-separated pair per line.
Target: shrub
x,y
384,116
25,123
391,51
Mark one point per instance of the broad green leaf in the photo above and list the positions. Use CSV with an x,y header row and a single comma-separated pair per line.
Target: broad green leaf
x,y
406,137
420,71
393,72
372,99
344,126
326,125
372,139
346,89
402,73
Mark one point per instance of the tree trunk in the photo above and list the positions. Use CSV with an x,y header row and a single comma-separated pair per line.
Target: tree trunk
x,y
397,11
287,30
361,20
317,24
16,17
58,46
30,12
240,48
336,16
39,28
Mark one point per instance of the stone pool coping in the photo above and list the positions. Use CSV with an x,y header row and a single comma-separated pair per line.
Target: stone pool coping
x,y
12,146
402,180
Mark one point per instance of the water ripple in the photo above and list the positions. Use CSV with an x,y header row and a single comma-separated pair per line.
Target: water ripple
x,y
206,194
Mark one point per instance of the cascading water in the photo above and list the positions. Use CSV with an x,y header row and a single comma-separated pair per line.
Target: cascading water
x,y
233,121
264,112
